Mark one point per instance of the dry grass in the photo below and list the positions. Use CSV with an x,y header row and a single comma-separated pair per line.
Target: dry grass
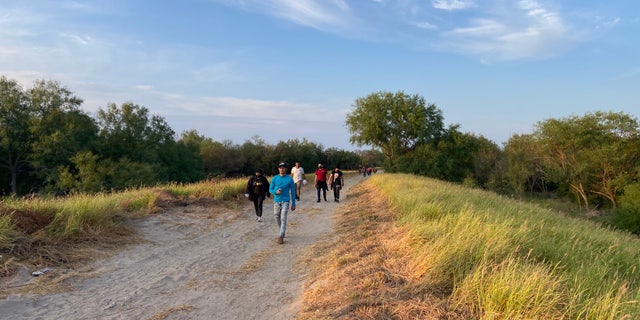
x,y
365,273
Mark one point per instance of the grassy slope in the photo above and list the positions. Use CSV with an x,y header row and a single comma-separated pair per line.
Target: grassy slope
x,y
414,247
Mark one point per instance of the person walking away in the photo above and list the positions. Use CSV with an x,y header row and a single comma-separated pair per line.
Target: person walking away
x,y
337,182
284,191
256,190
320,181
297,173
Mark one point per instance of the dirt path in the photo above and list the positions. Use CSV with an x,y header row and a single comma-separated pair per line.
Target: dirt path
x,y
196,264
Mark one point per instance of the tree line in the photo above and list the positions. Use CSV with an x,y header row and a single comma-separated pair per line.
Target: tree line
x,y
594,159
49,145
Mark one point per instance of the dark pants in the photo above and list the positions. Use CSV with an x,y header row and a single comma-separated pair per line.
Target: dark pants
x,y
257,205
322,185
336,191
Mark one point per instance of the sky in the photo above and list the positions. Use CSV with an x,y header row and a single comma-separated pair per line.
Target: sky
x,y
292,69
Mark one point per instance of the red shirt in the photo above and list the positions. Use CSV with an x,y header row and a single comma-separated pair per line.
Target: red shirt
x,y
321,174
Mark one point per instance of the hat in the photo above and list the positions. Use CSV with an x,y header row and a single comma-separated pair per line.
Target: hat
x,y
282,164
259,171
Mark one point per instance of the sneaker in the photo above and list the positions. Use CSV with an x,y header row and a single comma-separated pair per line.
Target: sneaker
x,y
318,200
280,240
259,219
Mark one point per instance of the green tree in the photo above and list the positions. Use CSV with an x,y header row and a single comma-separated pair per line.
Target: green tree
x,y
525,170
130,131
15,136
130,135
595,155
394,122
59,129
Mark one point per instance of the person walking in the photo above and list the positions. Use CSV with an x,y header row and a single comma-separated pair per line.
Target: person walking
x,y
256,190
297,173
320,181
337,182
284,191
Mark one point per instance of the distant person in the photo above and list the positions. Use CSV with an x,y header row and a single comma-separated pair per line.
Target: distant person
x,y
337,182
364,171
257,189
297,173
320,181
284,191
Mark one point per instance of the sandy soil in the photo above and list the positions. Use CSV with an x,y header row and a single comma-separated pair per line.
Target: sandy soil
x,y
194,264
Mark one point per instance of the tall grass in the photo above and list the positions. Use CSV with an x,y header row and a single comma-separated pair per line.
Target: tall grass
x,y
80,215
506,259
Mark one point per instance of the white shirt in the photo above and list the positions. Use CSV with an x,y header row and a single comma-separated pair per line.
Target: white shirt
x,y
297,173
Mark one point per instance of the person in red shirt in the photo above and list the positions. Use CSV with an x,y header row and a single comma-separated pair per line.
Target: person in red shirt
x,y
321,181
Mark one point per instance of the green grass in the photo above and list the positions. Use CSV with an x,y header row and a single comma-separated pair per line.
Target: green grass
x,y
508,259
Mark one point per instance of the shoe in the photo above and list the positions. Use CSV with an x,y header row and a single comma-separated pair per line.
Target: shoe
x,y
297,198
338,200
259,219
280,240
318,200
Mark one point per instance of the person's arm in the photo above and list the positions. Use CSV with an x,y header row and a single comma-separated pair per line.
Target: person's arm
x,y
272,185
293,193
247,187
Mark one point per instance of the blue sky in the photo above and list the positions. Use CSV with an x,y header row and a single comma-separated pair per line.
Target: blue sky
x,y
292,69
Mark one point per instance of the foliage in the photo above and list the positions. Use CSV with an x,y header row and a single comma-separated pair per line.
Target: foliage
x,y
15,137
627,216
394,122
47,145
595,155
525,170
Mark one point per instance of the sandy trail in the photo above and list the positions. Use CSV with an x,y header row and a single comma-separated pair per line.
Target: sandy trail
x,y
196,264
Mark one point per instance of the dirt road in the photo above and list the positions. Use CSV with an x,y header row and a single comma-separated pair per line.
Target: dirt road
x,y
195,264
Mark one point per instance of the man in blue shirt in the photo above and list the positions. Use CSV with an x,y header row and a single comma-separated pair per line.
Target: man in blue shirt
x,y
284,191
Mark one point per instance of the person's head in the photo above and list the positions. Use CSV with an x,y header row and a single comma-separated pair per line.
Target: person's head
x,y
320,165
259,172
282,168
297,164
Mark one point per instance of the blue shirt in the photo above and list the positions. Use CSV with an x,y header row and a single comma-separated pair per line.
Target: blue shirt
x,y
284,183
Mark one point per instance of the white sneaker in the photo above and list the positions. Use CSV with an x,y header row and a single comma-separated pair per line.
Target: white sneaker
x,y
259,219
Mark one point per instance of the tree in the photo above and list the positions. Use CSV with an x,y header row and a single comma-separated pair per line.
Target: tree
x,y
595,154
129,131
130,135
59,129
525,170
15,137
394,122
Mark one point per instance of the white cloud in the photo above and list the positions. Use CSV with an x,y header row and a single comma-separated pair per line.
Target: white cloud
x,y
424,25
453,4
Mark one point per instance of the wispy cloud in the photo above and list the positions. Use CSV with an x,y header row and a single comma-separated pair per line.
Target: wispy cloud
x,y
525,31
453,4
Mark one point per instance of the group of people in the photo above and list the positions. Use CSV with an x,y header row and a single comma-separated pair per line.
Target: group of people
x,y
287,188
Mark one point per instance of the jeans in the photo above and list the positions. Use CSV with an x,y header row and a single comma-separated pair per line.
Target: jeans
x,y
322,186
280,210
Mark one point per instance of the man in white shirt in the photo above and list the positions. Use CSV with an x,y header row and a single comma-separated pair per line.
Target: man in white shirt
x,y
297,173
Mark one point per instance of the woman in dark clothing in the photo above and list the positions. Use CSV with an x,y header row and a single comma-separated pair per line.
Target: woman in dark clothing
x,y
257,189
337,182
